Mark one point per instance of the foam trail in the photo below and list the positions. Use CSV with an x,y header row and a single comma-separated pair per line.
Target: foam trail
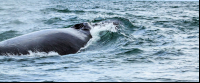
x,y
39,54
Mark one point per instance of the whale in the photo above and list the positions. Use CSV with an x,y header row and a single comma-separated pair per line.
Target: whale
x,y
63,41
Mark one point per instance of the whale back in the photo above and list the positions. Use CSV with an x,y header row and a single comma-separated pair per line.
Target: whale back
x,y
62,41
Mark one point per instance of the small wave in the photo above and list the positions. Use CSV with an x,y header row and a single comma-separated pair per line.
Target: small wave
x,y
16,22
53,20
164,23
66,10
131,51
13,22
7,59
138,60
195,21
188,25
183,25
174,6
168,52
8,34
1,9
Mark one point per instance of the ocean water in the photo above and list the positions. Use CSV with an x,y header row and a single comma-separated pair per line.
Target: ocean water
x,y
155,41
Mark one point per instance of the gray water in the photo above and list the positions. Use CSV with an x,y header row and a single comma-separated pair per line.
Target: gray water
x,y
156,41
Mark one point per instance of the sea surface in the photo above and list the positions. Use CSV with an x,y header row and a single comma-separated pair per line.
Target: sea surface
x,y
156,41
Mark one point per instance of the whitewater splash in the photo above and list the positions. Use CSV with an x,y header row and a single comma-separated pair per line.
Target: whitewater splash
x,y
35,54
99,30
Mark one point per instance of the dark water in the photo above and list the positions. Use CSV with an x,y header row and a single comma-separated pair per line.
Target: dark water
x,y
155,41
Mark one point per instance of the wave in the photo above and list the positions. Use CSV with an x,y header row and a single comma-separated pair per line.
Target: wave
x,y
62,10
183,25
52,20
8,34
112,35
1,9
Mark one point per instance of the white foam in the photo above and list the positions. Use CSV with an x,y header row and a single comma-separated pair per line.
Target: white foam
x,y
34,54
42,53
95,31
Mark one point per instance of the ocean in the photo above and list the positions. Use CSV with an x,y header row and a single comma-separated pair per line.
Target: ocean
x,y
156,41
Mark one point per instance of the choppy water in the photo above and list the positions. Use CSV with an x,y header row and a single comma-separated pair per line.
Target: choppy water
x,y
155,41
